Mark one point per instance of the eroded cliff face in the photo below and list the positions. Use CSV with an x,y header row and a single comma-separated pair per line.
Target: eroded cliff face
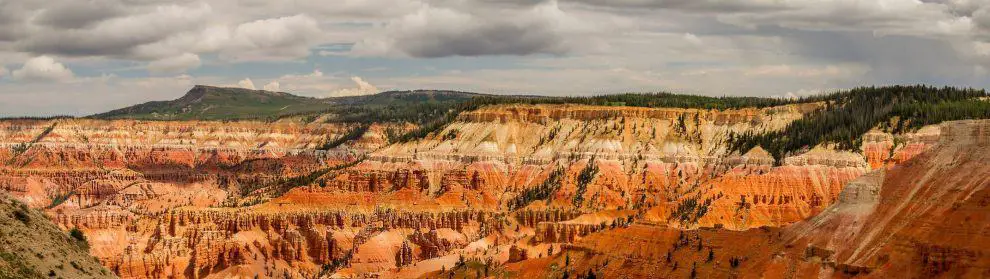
x,y
211,199
52,160
923,218
115,179
670,164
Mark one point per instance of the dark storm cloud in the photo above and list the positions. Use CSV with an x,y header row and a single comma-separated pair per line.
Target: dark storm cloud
x,y
477,28
12,19
891,59
498,38
690,5
100,34
79,14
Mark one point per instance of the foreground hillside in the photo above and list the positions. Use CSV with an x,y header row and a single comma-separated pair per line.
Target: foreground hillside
x,y
33,247
465,185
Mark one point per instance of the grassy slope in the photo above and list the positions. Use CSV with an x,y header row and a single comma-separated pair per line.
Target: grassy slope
x,y
217,103
31,246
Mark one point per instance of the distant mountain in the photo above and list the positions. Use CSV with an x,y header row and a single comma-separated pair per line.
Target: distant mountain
x,y
220,103
223,103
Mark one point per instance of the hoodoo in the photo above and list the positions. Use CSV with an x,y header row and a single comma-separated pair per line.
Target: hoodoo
x,y
662,185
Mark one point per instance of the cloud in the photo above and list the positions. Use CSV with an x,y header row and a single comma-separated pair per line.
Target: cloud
x,y
912,18
13,22
246,84
272,86
563,47
177,64
78,14
318,84
166,33
981,18
789,71
477,30
693,39
363,88
42,69
118,37
692,5
276,38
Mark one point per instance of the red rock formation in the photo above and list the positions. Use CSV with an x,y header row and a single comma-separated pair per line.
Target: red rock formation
x,y
517,255
920,219
404,256
211,199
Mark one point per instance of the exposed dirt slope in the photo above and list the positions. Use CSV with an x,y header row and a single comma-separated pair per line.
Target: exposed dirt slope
x,y
925,218
31,246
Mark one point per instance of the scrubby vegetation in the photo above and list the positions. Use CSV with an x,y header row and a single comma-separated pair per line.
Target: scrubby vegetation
x,y
691,209
584,178
80,238
353,134
280,186
544,191
59,199
34,247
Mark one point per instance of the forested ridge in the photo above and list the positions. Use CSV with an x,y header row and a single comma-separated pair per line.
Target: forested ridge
x,y
848,115
434,116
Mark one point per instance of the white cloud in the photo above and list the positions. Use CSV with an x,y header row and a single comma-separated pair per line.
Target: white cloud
x,y
363,88
42,68
312,84
246,84
276,38
318,84
272,86
693,39
176,64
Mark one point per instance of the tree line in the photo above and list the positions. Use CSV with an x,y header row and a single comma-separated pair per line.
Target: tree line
x,y
847,115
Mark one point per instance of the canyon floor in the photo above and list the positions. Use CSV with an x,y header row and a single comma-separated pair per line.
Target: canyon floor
x,y
501,191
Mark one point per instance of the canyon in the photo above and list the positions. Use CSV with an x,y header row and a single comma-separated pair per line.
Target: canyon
x,y
507,190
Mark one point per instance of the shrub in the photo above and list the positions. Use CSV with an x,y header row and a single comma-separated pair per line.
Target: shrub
x,y
77,234
21,213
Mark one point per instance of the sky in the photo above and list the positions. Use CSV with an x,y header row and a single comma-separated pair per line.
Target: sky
x,y
80,57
